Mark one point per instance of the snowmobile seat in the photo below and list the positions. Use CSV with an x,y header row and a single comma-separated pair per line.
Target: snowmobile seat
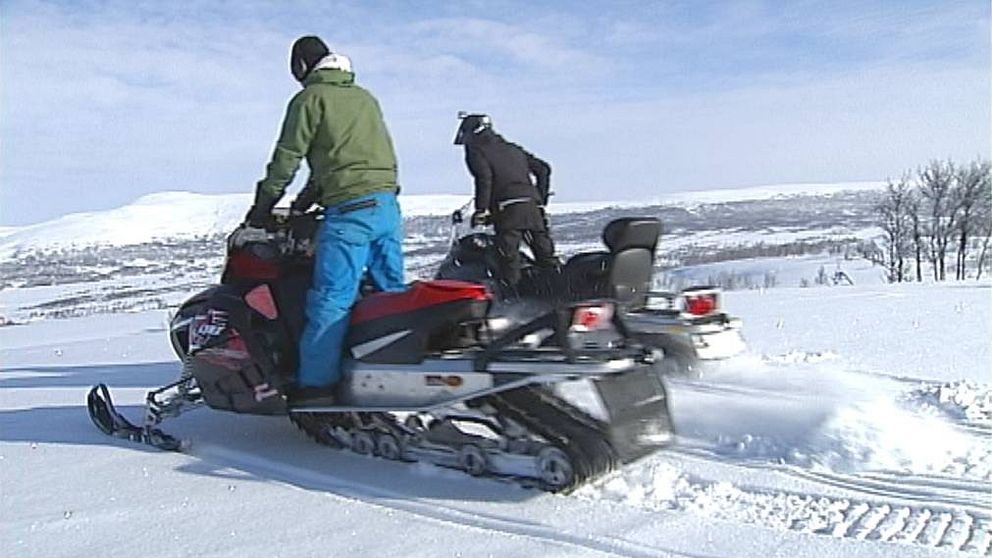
x,y
623,273
632,242
403,327
632,233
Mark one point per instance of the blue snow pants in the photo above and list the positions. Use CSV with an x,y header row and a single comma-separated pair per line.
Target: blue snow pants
x,y
347,242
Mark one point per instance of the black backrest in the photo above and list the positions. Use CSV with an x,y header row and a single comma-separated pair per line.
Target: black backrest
x,y
632,242
632,232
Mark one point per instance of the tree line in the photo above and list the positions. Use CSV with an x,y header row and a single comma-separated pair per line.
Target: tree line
x,y
942,210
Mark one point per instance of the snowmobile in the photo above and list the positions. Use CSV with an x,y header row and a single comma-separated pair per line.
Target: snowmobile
x,y
554,400
688,327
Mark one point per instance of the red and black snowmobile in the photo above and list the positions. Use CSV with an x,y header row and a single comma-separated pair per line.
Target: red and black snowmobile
x,y
429,375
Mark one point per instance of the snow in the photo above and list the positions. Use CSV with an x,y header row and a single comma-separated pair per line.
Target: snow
x,y
911,330
857,424
963,399
152,217
784,272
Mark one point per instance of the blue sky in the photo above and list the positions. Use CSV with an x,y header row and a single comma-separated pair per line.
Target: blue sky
x,y
102,102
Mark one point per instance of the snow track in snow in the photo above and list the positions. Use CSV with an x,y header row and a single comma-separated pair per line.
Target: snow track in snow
x,y
944,524
899,487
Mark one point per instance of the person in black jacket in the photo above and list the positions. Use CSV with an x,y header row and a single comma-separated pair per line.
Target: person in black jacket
x,y
506,194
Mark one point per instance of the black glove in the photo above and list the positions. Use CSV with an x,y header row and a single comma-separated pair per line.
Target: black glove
x,y
297,208
544,217
260,214
258,218
306,198
480,218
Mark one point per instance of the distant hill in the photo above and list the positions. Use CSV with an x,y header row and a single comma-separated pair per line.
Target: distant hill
x,y
172,216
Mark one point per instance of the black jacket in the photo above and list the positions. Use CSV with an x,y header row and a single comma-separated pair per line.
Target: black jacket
x,y
502,171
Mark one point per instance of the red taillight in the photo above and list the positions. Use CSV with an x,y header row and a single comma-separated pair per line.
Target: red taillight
x,y
260,299
700,304
590,318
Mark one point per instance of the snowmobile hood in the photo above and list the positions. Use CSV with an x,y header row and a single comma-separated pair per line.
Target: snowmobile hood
x,y
329,76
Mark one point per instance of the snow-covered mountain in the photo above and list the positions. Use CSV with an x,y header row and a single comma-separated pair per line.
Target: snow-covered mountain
x,y
187,215
166,216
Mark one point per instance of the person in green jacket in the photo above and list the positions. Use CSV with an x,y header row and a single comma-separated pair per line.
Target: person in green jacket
x,y
339,128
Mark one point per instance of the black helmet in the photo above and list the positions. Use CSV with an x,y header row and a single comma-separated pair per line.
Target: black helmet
x,y
472,125
307,51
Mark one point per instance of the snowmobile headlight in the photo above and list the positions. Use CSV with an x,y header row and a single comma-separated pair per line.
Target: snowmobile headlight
x,y
591,317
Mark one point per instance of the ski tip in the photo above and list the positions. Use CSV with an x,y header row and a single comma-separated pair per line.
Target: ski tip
x,y
95,391
99,409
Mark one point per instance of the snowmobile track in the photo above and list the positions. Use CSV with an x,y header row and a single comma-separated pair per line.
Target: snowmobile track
x,y
539,411
575,432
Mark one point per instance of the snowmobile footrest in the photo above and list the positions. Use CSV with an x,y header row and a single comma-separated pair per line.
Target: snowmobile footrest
x,y
639,422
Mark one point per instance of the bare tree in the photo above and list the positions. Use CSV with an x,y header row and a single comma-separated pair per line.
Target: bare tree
x,y
870,251
913,209
983,223
896,223
973,182
936,182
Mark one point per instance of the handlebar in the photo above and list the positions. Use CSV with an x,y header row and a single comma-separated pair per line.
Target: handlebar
x,y
457,218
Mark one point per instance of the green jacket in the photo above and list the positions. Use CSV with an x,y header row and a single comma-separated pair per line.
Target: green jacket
x,y
338,127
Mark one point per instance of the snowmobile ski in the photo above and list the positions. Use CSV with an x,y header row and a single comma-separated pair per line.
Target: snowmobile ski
x,y
105,416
